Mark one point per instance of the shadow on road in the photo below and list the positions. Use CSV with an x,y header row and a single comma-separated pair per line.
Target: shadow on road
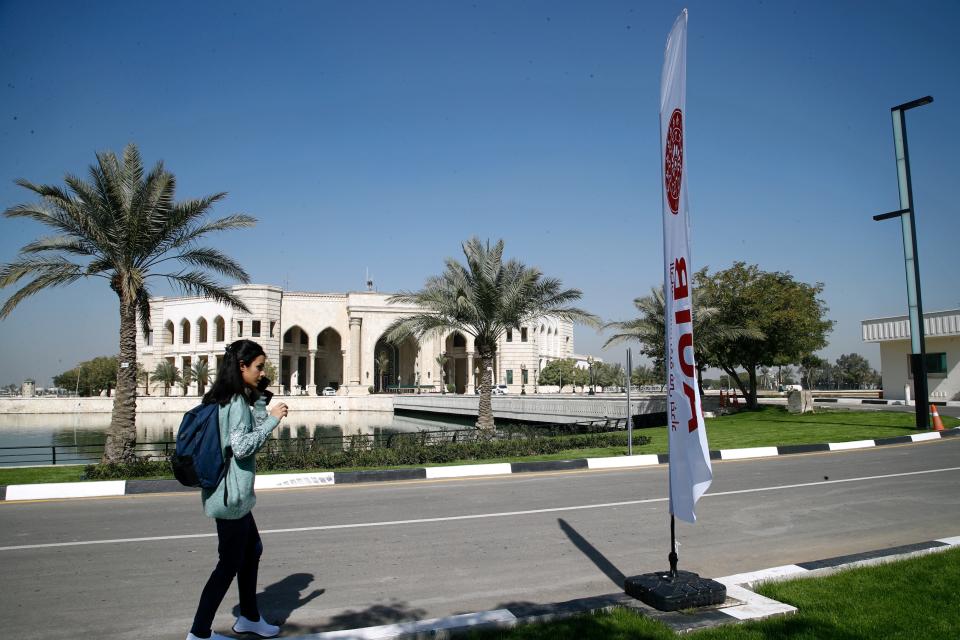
x,y
278,600
591,552
378,614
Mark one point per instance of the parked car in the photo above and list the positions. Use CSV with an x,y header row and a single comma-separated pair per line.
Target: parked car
x,y
499,390
329,391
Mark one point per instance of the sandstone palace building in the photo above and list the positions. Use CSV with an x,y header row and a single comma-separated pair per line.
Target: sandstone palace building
x,y
318,340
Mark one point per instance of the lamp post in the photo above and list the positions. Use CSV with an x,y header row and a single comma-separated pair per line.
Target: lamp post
x,y
476,380
590,370
523,379
918,356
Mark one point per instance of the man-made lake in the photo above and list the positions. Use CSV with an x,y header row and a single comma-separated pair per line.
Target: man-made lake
x,y
79,437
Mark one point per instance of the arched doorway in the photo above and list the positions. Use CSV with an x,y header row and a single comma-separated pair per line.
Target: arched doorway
x,y
329,360
293,360
455,348
395,364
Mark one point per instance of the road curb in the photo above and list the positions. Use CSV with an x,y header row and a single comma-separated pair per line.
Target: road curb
x,y
66,490
742,602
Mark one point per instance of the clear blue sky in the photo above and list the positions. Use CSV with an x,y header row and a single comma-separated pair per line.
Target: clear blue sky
x,y
382,134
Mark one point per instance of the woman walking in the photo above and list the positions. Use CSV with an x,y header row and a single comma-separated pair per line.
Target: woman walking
x,y
244,426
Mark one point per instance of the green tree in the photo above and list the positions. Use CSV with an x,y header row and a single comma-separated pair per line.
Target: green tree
x,y
646,375
609,375
269,370
558,372
855,371
788,314
711,330
125,227
812,370
94,376
167,373
484,298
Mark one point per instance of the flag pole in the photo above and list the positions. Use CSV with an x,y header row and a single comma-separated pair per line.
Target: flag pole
x,y
689,473
672,557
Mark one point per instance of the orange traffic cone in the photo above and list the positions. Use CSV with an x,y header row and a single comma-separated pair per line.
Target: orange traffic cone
x,y
935,417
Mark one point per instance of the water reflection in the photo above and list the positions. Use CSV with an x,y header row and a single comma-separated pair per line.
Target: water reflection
x,y
81,435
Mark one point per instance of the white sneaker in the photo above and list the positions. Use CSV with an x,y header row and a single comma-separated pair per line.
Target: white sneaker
x,y
213,636
261,627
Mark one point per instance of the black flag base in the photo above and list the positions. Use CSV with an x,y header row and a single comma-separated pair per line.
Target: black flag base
x,y
667,591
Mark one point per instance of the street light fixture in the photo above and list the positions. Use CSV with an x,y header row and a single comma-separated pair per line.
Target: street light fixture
x,y
918,356
523,379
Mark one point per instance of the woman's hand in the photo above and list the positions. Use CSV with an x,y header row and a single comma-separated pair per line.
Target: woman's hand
x,y
279,411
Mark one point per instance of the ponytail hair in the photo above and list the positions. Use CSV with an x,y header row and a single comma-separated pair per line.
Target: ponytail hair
x,y
229,380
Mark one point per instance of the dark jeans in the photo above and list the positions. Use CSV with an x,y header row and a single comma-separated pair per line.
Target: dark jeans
x,y
239,550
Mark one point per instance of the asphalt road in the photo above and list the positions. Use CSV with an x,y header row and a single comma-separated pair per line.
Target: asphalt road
x,y
357,555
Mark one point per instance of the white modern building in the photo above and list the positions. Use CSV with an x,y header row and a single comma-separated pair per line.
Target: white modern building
x,y
319,340
942,341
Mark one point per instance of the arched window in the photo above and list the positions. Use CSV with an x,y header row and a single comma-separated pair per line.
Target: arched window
x,y
219,329
168,332
202,330
184,331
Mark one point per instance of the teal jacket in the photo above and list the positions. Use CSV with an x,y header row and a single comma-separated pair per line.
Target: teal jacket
x,y
243,430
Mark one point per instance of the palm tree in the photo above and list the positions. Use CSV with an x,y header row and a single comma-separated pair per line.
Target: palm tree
x,y
201,373
484,298
167,373
442,360
649,329
125,227
383,364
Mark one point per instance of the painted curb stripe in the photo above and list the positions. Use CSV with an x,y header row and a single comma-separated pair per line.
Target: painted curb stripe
x,y
548,465
65,490
921,437
755,605
623,461
893,440
156,486
754,578
955,540
856,444
870,555
288,480
344,477
466,470
788,449
752,452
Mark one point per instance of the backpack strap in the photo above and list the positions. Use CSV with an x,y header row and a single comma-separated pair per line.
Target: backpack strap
x,y
223,474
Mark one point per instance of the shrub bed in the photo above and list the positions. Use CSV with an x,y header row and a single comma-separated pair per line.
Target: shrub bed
x,y
309,454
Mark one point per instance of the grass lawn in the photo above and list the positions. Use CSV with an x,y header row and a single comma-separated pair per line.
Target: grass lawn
x,y
914,599
768,426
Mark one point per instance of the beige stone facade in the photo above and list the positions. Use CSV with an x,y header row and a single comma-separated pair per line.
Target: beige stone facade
x,y
319,340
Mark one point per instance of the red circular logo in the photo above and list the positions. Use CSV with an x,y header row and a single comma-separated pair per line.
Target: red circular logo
x,y
673,162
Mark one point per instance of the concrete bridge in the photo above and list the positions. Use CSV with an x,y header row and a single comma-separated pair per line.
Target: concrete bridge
x,y
554,408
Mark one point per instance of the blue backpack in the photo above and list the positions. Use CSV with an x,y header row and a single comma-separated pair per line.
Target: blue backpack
x,y
198,460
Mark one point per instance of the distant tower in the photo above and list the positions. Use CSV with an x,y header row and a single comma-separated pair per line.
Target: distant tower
x,y
369,281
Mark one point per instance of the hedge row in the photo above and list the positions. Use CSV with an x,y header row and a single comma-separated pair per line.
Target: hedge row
x,y
307,455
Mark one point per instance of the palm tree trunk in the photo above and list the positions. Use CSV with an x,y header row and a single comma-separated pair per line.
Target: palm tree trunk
x,y
122,435
484,408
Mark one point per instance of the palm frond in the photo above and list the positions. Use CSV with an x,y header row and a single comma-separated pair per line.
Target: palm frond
x,y
50,274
